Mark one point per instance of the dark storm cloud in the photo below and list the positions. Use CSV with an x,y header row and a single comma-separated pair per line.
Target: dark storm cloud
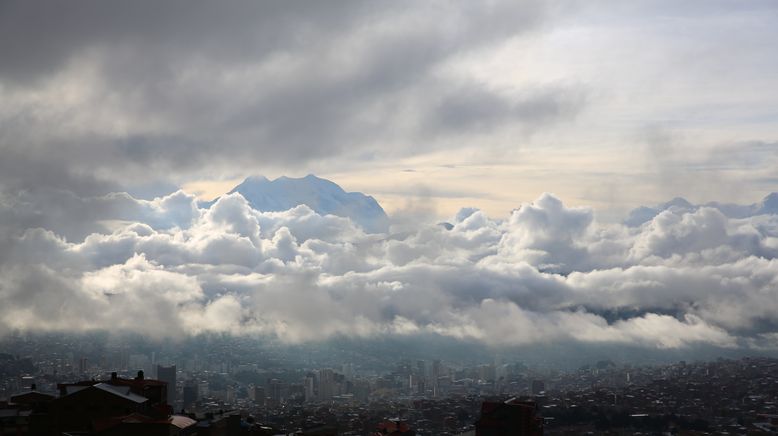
x,y
43,36
120,89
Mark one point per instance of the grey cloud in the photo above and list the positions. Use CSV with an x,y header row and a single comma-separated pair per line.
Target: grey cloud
x,y
74,217
41,36
193,87
767,206
723,169
475,108
691,277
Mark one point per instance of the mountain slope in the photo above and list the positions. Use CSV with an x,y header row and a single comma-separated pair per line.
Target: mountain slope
x,y
321,195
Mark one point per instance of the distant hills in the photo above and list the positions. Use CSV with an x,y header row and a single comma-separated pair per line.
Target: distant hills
x,y
321,195
642,214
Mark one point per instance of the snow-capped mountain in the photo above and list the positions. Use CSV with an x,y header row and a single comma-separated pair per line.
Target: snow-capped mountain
x,y
768,206
321,195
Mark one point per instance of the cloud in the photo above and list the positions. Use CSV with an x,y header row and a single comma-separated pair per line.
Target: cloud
x,y
501,323
547,233
547,274
99,95
643,214
113,91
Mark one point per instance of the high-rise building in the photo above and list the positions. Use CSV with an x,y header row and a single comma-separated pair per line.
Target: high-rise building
x,y
276,392
326,384
361,390
190,395
259,396
348,371
168,375
308,386
421,369
486,373
435,377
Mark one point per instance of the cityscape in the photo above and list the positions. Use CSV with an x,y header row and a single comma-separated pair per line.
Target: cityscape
x,y
229,387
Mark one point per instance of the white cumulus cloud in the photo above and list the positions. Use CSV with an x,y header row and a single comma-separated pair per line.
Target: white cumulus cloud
x,y
546,273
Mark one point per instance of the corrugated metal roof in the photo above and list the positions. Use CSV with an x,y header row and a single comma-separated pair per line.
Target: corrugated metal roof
x,y
181,421
122,391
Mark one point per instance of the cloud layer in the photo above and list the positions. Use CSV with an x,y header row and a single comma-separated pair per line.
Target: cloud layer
x,y
112,90
596,101
547,273
101,96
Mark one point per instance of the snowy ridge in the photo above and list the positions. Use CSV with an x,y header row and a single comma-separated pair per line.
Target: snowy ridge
x,y
321,195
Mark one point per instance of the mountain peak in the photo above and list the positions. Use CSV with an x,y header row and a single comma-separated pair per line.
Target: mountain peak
x,y
678,202
255,179
323,196
769,204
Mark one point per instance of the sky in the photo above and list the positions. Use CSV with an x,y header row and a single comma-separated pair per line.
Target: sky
x,y
548,121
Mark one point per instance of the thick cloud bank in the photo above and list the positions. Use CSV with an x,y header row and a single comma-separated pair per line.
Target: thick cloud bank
x,y
131,90
546,273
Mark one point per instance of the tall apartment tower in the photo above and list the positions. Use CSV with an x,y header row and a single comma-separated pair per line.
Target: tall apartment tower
x,y
259,396
326,384
190,394
309,388
168,374
435,377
